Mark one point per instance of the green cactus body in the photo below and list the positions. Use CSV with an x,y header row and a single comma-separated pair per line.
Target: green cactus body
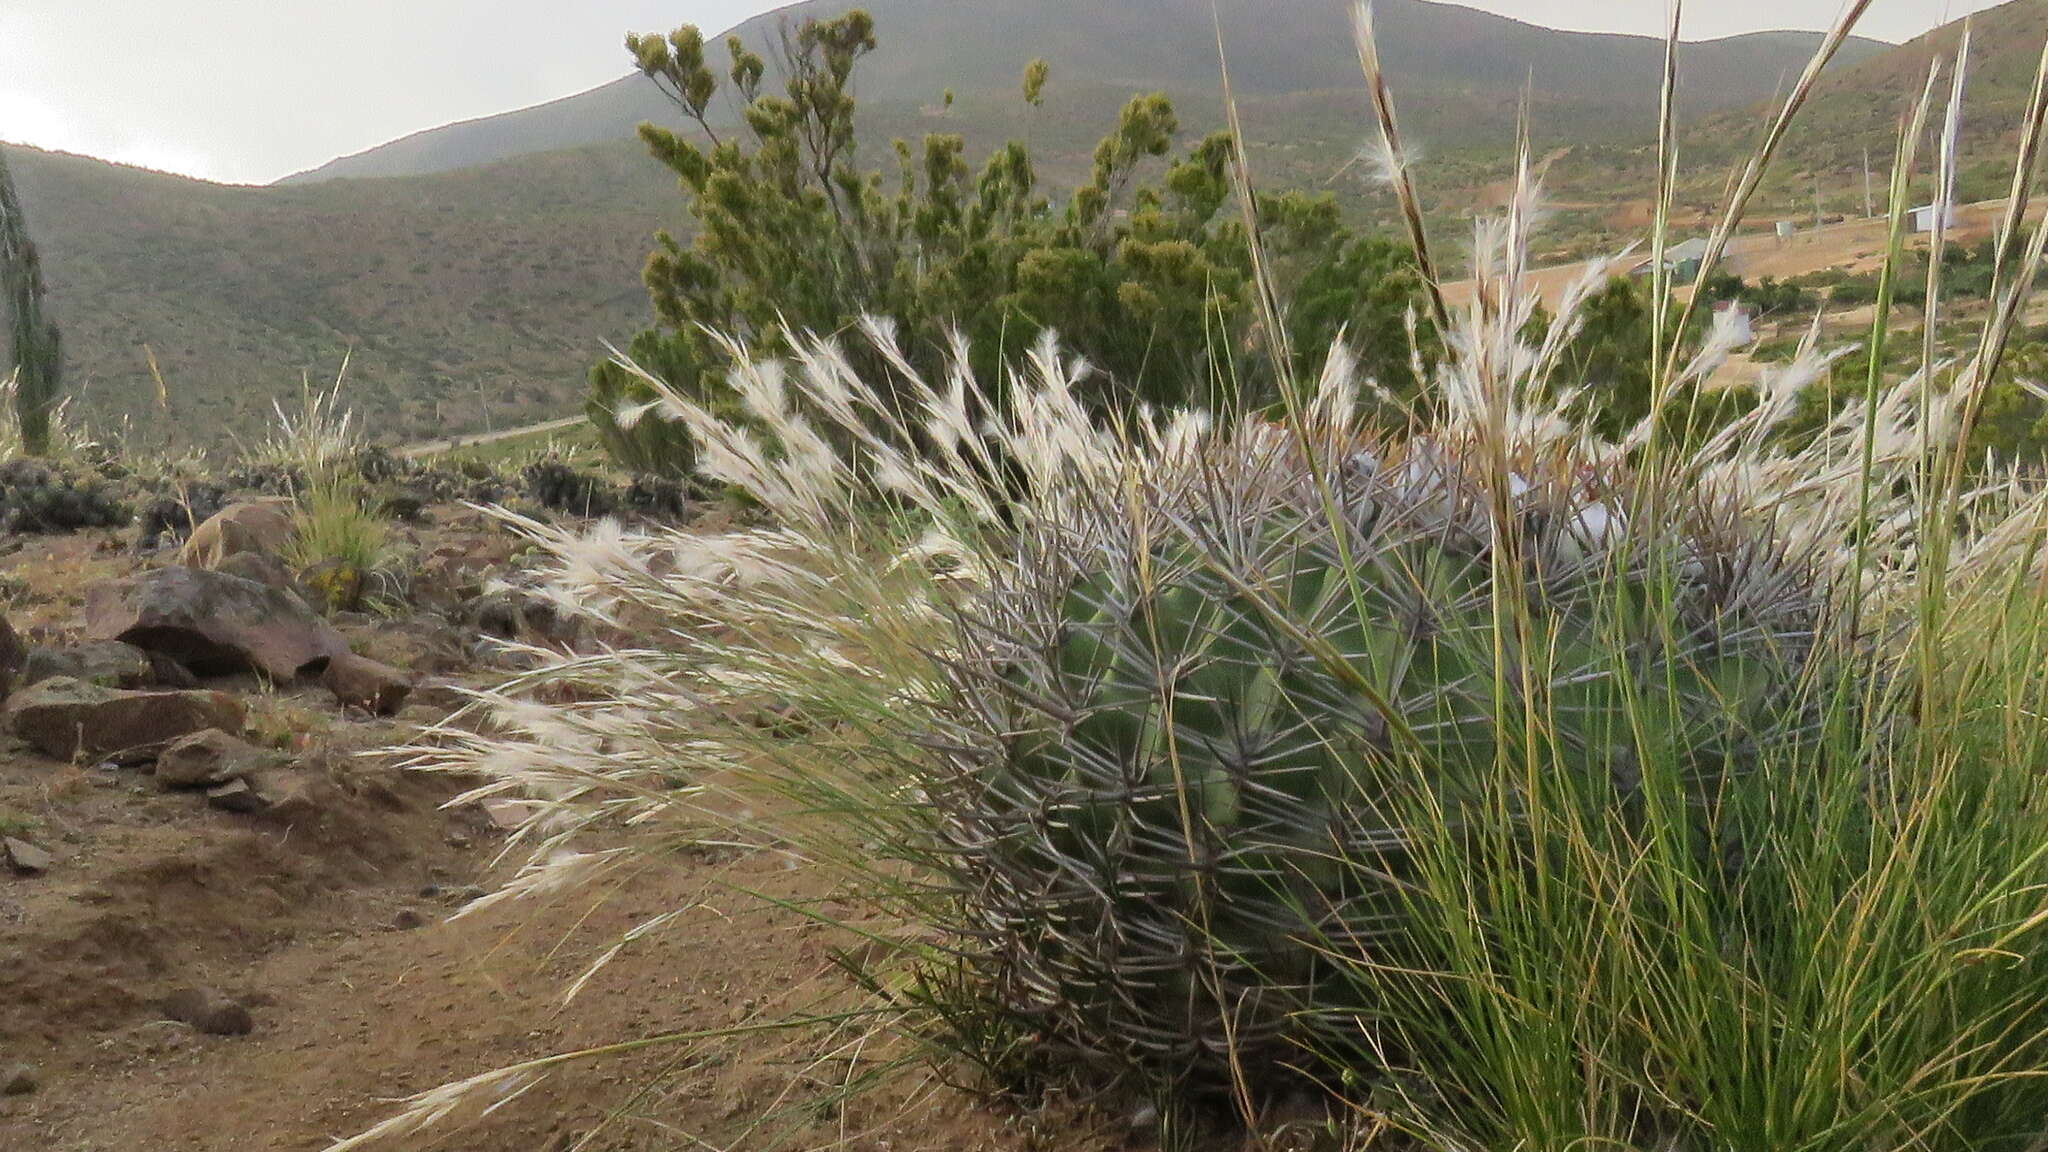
x,y
1191,794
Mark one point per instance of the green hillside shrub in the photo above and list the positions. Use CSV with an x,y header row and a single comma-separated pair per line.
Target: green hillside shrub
x,y
1144,270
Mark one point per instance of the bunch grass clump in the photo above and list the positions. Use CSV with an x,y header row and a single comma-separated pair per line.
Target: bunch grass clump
x,y
1497,783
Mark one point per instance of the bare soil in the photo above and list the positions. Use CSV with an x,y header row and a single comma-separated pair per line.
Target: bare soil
x,y
328,920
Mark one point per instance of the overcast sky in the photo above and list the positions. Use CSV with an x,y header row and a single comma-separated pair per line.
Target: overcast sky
x,y
250,90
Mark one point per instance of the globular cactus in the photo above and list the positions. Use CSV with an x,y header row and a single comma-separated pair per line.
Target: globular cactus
x,y
1209,710
36,497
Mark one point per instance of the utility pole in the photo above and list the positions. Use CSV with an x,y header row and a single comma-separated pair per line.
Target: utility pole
x,y
1869,205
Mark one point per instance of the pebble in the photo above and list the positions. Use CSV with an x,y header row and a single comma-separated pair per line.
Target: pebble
x,y
18,1080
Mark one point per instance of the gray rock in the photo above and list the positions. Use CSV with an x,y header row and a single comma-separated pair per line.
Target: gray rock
x,y
210,759
214,623
62,717
236,796
209,1012
107,663
25,857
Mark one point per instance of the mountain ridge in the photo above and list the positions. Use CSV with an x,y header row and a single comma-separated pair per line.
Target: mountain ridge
x,y
1169,45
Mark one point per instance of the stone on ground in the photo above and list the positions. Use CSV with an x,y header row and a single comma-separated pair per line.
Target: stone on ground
x,y
63,717
209,1012
210,759
214,623
261,527
360,682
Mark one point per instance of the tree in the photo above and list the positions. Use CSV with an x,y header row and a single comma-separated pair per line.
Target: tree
x,y
1141,270
35,348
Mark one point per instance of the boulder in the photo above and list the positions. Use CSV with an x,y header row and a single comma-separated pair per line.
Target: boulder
x,y
62,717
214,623
360,682
208,1011
12,656
107,663
262,527
25,857
259,567
210,759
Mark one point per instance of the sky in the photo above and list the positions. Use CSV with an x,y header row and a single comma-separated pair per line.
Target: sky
x,y
246,91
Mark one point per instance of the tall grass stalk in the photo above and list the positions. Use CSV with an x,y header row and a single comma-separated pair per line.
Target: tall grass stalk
x,y
1823,933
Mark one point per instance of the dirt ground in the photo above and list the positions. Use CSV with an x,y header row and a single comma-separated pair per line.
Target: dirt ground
x,y
327,919
1853,246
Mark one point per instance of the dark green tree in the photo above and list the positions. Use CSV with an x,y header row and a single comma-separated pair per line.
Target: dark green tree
x,y
1140,270
35,351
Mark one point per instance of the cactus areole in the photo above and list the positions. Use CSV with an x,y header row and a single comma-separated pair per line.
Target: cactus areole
x,y
1211,708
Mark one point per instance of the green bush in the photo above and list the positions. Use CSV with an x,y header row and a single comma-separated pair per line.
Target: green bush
x,y
1144,269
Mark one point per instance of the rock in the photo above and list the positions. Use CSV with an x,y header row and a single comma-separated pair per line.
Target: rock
x,y
18,1080
235,796
12,656
262,527
25,857
407,920
169,673
63,717
259,567
106,663
360,682
208,1011
214,623
210,759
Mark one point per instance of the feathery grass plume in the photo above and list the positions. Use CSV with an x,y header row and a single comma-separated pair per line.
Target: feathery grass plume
x,y
1207,759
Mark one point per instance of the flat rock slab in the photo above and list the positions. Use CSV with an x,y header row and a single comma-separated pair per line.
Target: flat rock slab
x,y
107,663
62,717
214,623
210,759
25,857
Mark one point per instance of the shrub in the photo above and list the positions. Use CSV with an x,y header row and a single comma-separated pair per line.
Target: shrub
x,y
1146,275
43,497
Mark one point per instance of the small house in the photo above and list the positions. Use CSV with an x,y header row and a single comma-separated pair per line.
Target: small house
x,y
1923,218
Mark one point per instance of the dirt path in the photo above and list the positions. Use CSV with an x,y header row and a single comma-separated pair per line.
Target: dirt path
x,y
436,447
1854,246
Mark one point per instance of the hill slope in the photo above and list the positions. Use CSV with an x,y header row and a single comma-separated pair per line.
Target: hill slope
x,y
476,297
1439,54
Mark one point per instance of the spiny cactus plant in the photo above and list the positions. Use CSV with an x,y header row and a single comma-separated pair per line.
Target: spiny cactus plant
x,y
35,349
1204,703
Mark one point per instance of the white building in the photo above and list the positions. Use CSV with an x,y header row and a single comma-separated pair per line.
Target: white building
x,y
1923,218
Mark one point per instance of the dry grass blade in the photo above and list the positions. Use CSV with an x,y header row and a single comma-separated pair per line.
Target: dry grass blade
x,y
1395,162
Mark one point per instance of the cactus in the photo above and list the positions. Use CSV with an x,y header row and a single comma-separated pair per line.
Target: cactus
x,y
35,349
1201,723
36,497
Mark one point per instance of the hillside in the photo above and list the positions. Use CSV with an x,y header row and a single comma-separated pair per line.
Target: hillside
x,y
476,297
1860,106
1440,54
